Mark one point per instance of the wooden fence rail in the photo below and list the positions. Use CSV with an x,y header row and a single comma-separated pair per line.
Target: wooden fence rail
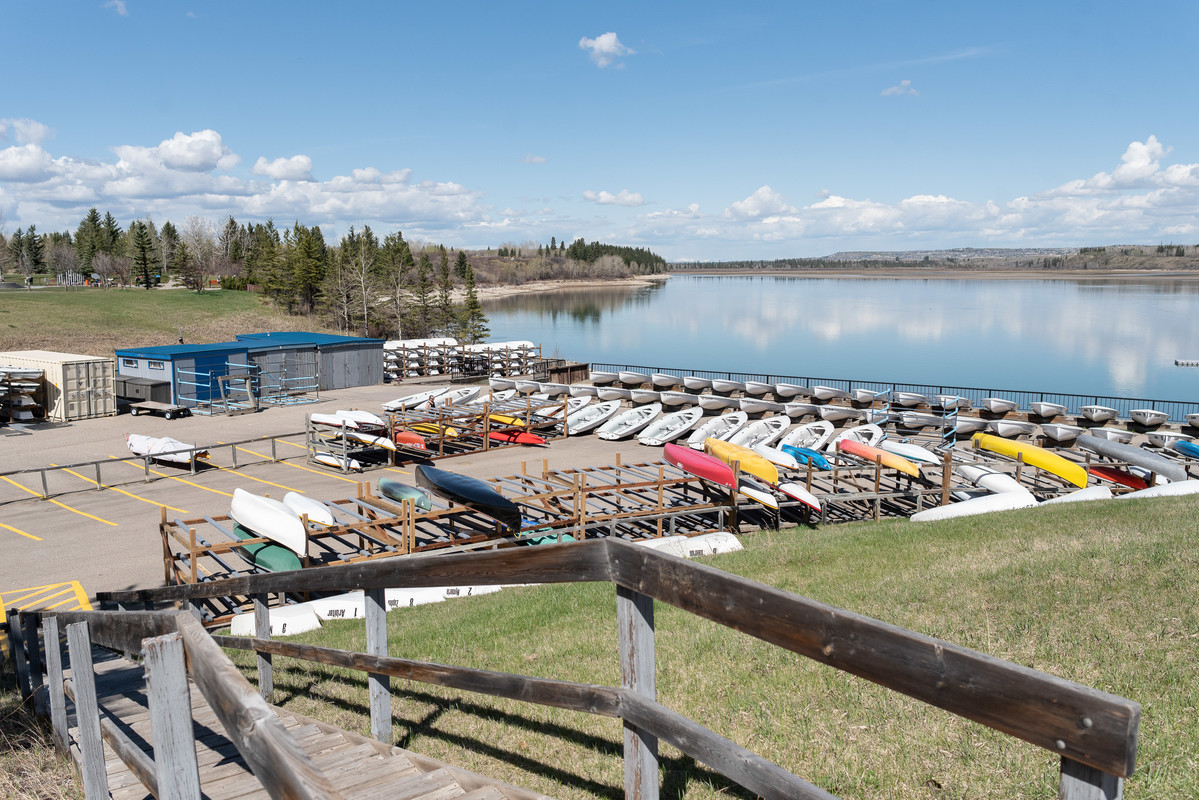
x,y
1094,733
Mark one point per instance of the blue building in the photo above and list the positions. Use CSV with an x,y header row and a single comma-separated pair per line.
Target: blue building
x,y
268,365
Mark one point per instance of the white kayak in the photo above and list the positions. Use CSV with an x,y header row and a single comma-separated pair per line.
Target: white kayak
x,y
813,436
414,400
1166,490
711,544
269,519
720,427
797,492
912,452
629,422
286,621
761,431
869,433
776,456
316,510
989,478
591,416
1080,495
978,505
162,448
670,427
333,460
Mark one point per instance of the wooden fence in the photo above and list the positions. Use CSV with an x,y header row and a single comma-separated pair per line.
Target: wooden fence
x,y
1093,733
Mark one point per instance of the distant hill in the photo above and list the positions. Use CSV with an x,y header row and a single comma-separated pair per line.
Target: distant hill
x,y
1169,257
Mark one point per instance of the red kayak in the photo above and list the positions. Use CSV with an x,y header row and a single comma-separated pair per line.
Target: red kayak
x,y
409,439
516,437
1122,477
702,465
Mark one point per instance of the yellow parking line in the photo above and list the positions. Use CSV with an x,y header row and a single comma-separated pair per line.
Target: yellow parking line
x,y
59,593
8,601
176,478
33,591
293,444
22,533
260,480
122,491
395,469
60,505
297,466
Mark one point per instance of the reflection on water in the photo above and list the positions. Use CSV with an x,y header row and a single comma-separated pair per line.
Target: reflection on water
x,y
1105,336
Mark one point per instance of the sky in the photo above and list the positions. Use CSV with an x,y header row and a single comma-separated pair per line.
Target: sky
x,y
701,130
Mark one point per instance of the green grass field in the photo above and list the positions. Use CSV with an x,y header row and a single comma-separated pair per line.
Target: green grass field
x,y
1102,594
98,321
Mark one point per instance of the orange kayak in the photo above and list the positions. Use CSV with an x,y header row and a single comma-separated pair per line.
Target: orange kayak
x,y
875,454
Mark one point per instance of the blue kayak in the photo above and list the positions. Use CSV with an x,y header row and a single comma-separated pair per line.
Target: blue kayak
x,y
805,455
1188,449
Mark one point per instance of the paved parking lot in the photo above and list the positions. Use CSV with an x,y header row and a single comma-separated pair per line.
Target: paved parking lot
x,y
108,539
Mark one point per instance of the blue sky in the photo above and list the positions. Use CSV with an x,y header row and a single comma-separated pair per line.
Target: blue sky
x,y
700,130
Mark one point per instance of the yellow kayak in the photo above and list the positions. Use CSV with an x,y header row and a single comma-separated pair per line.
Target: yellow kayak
x,y
509,420
1035,457
433,429
751,462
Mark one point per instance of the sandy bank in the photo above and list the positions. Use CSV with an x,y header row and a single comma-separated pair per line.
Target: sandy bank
x,y
494,292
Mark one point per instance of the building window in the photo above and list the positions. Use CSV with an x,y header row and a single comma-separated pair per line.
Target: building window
x,y
155,365
128,362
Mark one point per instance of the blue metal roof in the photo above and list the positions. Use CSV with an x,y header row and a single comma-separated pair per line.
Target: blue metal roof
x,y
169,352
306,337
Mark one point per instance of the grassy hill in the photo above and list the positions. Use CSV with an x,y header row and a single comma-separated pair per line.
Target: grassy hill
x,y
97,321
1103,594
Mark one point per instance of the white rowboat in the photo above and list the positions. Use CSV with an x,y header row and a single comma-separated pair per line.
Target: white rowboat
x,y
629,422
269,519
670,427
763,431
591,416
720,427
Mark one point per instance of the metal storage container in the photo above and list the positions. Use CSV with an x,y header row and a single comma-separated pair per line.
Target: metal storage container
x,y
144,389
77,386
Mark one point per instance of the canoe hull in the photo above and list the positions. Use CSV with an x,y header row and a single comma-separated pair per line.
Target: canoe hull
x,y
470,492
1034,456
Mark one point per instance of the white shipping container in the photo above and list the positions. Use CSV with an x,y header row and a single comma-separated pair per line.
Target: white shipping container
x,y
77,386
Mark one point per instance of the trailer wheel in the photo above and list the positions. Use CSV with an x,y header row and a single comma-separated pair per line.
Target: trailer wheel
x,y
169,414
134,411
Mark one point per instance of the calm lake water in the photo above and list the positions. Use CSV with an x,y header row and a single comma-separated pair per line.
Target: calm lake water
x,y
1115,337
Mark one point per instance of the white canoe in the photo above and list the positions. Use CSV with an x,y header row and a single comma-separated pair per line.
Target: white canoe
x,y
162,448
614,393
829,393
797,492
1046,410
714,402
720,427
989,478
785,391
336,461
1012,428
679,399
370,440
725,386
1167,490
632,378
869,433
583,390
1061,432
629,422
317,511
670,427
694,383
1148,417
414,400
813,436
670,545
333,420
838,413
1098,413
998,405
756,405
663,380
761,431
776,456
285,621
1080,495
591,416
796,410
599,378
270,519
911,399
365,419
645,396
912,452
758,388
711,544
977,505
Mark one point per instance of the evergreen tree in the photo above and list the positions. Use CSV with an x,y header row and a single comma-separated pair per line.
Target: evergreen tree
x,y
422,296
186,268
461,265
168,240
143,256
474,321
87,239
16,250
446,321
308,263
35,251
110,236
553,243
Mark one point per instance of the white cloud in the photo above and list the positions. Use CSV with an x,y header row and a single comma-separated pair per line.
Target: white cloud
x,y
25,163
762,203
202,151
117,6
622,198
605,49
296,168
532,159
904,87
24,131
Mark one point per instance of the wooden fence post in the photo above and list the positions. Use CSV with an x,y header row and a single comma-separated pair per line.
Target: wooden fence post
x,y
87,713
17,647
175,762
1080,782
33,652
635,622
376,645
58,700
262,629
